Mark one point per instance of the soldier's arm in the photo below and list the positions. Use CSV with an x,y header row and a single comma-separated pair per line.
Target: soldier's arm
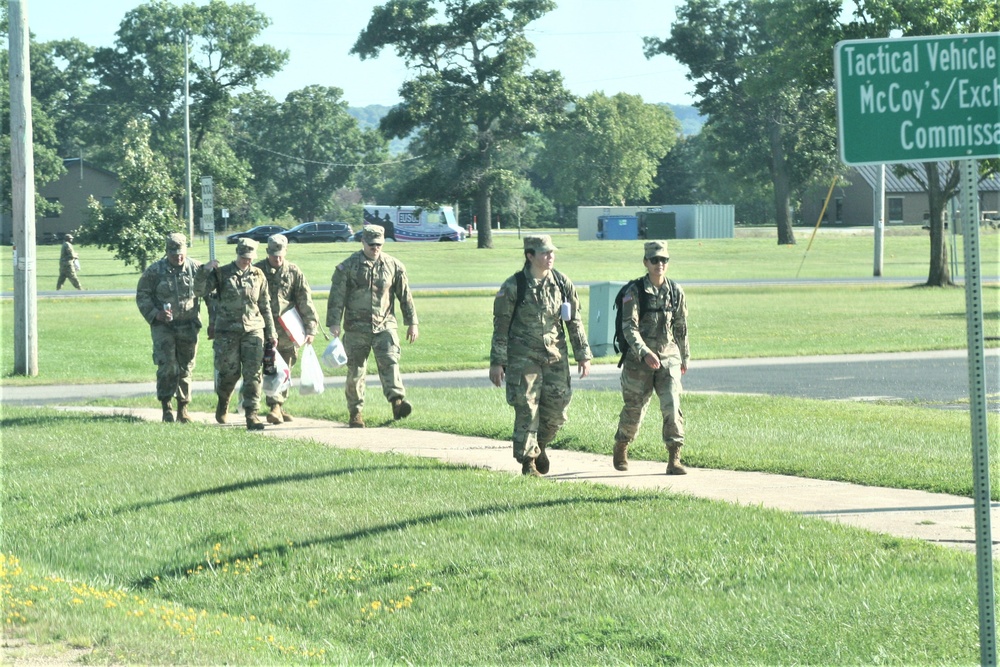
x,y
144,297
503,311
678,327
338,297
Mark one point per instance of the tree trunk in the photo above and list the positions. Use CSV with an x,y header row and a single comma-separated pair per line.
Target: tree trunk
x,y
782,190
939,274
484,229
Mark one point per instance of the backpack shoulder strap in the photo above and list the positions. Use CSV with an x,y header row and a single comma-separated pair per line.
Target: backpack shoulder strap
x,y
675,296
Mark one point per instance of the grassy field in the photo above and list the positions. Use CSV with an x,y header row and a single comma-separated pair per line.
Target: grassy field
x,y
209,546
147,543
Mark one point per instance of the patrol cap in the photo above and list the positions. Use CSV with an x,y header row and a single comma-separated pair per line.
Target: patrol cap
x,y
69,237
277,245
246,248
373,234
656,249
176,244
539,243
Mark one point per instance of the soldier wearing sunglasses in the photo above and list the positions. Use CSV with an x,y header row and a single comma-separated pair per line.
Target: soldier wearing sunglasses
x,y
654,324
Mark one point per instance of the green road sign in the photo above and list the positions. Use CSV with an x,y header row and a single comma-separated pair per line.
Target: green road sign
x,y
918,99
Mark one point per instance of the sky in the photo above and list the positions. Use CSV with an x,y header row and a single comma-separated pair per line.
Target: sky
x,y
596,44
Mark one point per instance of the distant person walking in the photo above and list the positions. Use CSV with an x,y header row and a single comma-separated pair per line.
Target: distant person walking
x,y
654,324
166,298
529,350
242,323
289,290
69,264
363,293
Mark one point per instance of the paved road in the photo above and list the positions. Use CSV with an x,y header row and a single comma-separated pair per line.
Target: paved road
x,y
937,378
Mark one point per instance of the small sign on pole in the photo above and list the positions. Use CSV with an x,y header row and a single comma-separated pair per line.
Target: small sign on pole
x,y
207,205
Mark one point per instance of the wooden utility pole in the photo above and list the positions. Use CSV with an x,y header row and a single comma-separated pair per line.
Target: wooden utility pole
x,y
22,170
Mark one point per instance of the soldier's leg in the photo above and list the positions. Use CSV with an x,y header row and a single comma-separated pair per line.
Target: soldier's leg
x,y
186,346
386,348
554,400
74,280
289,353
668,387
226,354
251,360
165,358
524,388
62,279
637,387
357,346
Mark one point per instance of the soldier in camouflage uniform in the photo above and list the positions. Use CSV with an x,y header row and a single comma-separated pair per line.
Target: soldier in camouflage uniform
x,y
242,323
288,289
529,351
362,294
67,264
656,358
166,298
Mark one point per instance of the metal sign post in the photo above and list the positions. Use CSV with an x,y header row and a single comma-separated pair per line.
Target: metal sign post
x,y
977,412
208,213
923,99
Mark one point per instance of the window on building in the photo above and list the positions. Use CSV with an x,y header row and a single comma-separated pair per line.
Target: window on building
x,y
838,207
894,209
107,202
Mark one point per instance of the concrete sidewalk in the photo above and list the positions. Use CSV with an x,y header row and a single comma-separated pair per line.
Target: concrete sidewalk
x,y
941,519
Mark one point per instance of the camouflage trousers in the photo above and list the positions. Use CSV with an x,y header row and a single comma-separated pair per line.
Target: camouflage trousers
x,y
290,354
639,381
174,351
67,273
239,353
540,395
385,345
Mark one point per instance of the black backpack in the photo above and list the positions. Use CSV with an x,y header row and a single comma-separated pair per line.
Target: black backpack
x,y
621,345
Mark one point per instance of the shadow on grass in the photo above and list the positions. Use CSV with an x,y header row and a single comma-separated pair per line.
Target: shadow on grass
x,y
285,548
49,417
81,517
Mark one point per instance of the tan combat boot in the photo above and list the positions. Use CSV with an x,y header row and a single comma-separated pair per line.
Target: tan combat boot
x,y
284,415
222,409
674,466
253,421
182,412
357,421
528,468
274,414
168,414
401,408
621,456
542,462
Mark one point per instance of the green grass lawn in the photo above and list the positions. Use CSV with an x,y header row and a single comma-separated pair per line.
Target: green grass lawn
x,y
212,546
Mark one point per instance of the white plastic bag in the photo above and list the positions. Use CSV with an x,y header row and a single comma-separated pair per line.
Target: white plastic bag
x,y
76,264
334,356
311,379
275,385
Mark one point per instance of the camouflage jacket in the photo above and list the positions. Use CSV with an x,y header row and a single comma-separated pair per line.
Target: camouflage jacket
x,y
67,254
242,304
288,289
659,331
162,283
363,293
536,331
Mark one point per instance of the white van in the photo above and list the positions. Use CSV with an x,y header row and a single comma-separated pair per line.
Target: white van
x,y
413,223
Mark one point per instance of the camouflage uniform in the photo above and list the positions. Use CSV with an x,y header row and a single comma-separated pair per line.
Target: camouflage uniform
x,y
363,293
531,346
288,289
242,323
662,333
67,267
175,343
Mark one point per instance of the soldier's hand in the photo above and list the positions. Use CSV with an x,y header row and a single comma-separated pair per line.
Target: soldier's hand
x,y
684,368
335,331
496,375
161,316
211,265
309,340
584,368
412,333
652,361
211,331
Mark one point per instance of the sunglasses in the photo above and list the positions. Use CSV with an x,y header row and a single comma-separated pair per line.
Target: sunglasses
x,y
659,260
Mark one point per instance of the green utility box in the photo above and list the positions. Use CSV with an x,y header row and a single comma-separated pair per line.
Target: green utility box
x,y
657,225
601,328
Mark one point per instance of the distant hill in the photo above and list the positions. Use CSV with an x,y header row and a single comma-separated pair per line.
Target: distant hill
x,y
369,117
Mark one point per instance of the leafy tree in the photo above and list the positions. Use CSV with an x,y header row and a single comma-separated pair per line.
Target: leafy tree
x,y
471,98
679,176
143,213
764,77
305,149
608,149
877,18
142,76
